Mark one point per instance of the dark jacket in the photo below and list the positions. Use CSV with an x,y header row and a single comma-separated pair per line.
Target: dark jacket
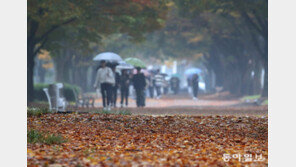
x,y
117,79
195,81
139,81
124,81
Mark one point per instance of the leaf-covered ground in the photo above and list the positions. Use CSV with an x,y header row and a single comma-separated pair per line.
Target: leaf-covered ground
x,y
137,140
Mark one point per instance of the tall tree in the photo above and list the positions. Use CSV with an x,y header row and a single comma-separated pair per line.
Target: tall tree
x,y
248,28
92,17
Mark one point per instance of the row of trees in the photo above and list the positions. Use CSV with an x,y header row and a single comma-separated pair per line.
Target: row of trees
x,y
228,36
236,41
76,28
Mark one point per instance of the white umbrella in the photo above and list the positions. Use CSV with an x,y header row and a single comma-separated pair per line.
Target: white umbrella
x,y
108,56
124,66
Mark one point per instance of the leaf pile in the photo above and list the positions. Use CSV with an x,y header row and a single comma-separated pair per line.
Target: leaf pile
x,y
128,140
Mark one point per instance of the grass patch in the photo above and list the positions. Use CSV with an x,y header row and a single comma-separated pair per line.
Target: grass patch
x,y
116,112
265,102
36,111
253,97
34,136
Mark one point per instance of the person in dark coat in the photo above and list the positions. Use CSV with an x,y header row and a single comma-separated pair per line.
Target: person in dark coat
x,y
194,83
115,86
124,87
175,84
139,83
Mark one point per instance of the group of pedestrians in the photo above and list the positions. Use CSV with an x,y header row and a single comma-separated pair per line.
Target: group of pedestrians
x,y
109,81
158,83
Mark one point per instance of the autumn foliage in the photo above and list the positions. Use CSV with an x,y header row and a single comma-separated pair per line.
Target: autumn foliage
x,y
129,140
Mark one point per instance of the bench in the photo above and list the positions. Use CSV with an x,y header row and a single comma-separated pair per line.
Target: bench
x,y
82,100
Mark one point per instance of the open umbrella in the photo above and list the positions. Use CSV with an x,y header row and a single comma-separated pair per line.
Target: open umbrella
x,y
192,71
176,75
124,66
108,56
135,62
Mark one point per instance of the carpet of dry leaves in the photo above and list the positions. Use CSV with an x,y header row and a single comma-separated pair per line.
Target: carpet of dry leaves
x,y
138,140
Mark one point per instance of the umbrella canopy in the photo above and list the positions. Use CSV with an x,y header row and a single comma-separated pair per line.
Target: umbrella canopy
x,y
192,71
176,75
124,66
108,56
135,62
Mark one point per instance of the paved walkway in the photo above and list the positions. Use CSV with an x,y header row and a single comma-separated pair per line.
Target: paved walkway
x,y
172,105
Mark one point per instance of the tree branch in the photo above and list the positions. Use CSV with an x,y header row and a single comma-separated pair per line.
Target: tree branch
x,y
33,29
41,46
251,22
54,27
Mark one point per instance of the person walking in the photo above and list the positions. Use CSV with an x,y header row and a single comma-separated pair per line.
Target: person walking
x,y
194,83
124,87
151,86
115,86
105,79
165,87
139,83
158,83
175,84
189,85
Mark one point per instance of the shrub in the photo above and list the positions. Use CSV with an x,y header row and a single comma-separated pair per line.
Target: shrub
x,y
68,91
54,139
39,94
34,136
37,111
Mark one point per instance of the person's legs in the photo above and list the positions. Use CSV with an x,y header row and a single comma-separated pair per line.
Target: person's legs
x,y
151,91
138,97
158,90
114,95
143,98
126,96
103,92
122,95
109,94
194,91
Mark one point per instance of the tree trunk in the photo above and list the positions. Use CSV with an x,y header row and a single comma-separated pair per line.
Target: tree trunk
x,y
30,68
265,85
42,73
257,78
265,63
60,70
